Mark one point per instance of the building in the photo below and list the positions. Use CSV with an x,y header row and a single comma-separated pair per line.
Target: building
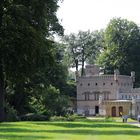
x,y
107,95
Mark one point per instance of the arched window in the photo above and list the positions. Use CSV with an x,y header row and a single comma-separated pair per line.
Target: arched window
x,y
120,110
113,111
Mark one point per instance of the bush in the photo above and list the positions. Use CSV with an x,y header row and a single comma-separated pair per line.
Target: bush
x,y
11,114
58,118
71,118
68,117
34,117
109,119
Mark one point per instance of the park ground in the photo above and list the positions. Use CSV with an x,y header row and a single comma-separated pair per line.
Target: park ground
x,y
83,129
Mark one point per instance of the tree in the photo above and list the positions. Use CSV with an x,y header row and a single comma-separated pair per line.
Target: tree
x,y
80,47
99,43
122,47
24,26
56,103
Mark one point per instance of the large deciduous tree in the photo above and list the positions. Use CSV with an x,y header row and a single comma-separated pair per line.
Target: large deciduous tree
x,y
81,46
24,26
122,47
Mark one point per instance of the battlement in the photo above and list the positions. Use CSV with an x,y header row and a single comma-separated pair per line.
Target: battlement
x,y
132,90
106,77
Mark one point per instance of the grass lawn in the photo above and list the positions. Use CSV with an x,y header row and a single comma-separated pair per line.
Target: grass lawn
x,y
84,129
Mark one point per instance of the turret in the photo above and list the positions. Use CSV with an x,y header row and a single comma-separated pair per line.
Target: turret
x,y
92,70
116,73
133,76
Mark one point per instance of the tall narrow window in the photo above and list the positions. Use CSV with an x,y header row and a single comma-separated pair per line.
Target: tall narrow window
x,y
87,96
96,96
125,96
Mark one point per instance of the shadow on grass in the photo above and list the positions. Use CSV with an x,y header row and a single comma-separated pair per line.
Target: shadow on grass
x,y
92,125
9,132
97,132
18,137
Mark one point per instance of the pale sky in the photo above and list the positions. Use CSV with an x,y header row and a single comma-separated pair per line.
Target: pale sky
x,y
95,14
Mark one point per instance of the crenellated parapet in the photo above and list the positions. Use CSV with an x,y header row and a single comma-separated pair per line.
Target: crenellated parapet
x,y
132,90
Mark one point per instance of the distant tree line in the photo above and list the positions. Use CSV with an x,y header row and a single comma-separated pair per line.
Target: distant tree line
x,y
115,47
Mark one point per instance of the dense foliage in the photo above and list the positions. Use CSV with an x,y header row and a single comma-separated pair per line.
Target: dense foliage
x,y
28,59
82,47
121,48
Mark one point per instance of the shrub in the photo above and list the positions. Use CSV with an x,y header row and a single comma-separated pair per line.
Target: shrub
x,y
109,119
68,117
71,117
34,117
11,114
58,118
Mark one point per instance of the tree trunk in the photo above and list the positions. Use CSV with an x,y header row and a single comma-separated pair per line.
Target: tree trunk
x,y
1,12
82,71
2,110
76,64
83,61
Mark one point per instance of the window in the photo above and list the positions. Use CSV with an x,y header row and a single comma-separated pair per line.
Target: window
x,y
96,96
86,96
88,84
125,96
96,84
107,96
122,97
103,83
81,84
137,108
111,84
129,96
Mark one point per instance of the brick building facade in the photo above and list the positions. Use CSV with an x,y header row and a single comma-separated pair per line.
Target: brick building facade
x,y
107,95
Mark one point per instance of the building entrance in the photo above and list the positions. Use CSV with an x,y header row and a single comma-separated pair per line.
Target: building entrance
x,y
96,110
113,111
120,111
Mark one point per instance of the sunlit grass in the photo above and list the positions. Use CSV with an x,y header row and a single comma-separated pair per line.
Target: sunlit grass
x,y
96,129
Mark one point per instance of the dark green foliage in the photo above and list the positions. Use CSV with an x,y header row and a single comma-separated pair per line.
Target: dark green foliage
x,y
24,50
11,114
56,103
34,117
70,88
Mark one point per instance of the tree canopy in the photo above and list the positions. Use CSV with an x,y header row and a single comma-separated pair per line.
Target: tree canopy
x,y
81,47
121,47
24,29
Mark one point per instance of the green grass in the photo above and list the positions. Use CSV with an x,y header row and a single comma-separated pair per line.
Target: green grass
x,y
97,129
